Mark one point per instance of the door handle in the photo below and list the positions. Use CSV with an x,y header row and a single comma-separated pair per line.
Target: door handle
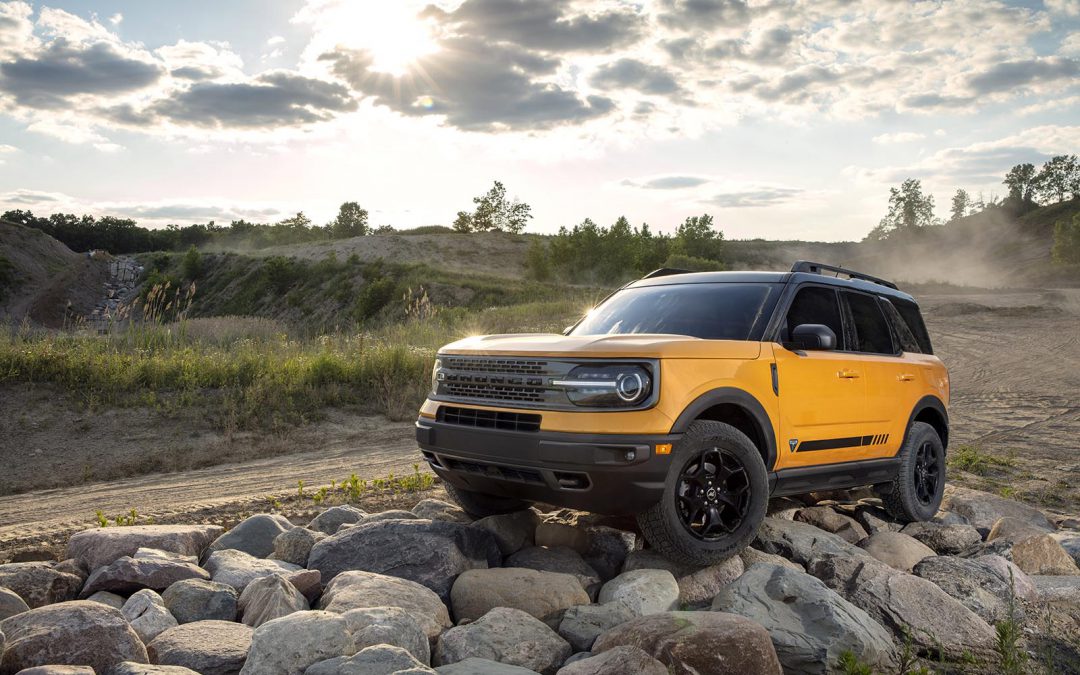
x,y
905,377
847,374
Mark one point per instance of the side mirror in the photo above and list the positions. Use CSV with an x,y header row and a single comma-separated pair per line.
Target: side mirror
x,y
813,336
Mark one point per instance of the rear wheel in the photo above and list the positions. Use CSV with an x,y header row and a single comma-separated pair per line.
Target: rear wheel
x,y
915,494
479,505
715,497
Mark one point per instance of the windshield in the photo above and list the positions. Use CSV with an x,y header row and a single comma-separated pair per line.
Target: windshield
x,y
713,311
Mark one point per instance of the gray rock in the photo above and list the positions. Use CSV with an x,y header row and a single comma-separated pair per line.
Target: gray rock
x,y
800,542
944,539
388,626
146,613
254,536
200,600
207,647
357,590
875,519
429,552
130,668
73,633
1059,592
268,598
982,509
607,548
558,559
980,584
308,582
508,636
58,670
539,594
648,559
127,575
751,556
436,509
617,661
374,660
157,554
643,591
238,569
581,625
295,642
698,588
39,584
99,547
574,658
294,546
697,642
107,598
475,666
331,520
512,531
826,518
810,625
11,604
896,549
1070,541
1012,529
394,514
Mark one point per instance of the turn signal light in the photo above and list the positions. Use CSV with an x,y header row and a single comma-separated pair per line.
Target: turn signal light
x,y
663,448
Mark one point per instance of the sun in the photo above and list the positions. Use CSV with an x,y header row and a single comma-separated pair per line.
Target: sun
x,y
392,33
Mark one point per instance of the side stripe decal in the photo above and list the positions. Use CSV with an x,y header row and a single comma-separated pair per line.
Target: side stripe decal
x,y
837,443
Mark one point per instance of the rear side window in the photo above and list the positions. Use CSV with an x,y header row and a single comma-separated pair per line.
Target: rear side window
x,y
871,330
903,335
814,304
913,318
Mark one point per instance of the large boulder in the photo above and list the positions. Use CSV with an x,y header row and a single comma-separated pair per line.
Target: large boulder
x,y
11,604
826,518
559,559
944,539
477,666
291,644
200,600
388,626
1012,529
1042,555
207,647
99,547
607,548
357,590
436,509
39,583
750,556
506,635
126,575
107,598
539,594
811,626
981,584
294,546
254,535
512,531
79,633
379,659
800,542
698,588
643,591
896,549
874,518
132,668
982,509
331,520
432,553
906,604
617,661
268,598
392,514
238,569
691,643
582,624
58,670
650,559
146,613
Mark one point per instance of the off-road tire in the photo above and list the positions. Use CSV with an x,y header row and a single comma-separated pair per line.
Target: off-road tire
x,y
662,523
901,498
479,505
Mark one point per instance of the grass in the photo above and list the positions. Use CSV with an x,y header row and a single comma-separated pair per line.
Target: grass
x,y
973,459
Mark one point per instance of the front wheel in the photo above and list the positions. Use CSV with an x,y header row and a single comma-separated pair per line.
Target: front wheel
x,y
715,497
480,505
915,494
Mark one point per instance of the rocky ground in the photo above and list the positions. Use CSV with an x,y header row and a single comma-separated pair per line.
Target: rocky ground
x,y
831,584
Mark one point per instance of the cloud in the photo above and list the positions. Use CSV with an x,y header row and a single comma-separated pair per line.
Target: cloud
x,y
633,74
116,19
197,61
1017,74
703,14
276,40
753,198
668,182
31,197
1065,7
897,137
152,214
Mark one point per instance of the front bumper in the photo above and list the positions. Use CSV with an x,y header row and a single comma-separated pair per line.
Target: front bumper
x,y
611,474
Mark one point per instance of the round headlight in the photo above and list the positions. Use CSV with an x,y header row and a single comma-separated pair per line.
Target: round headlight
x,y
630,387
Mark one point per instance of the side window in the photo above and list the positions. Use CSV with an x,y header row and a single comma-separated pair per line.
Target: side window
x,y
871,330
904,337
910,311
815,304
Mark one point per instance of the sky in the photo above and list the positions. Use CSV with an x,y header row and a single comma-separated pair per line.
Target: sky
x,y
783,119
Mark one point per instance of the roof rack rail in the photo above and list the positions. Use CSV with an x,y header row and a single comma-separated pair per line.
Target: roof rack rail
x,y
665,272
820,268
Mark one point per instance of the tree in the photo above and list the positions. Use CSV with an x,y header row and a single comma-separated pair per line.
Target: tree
x,y
463,222
537,261
1066,250
697,238
351,221
192,264
1058,179
494,212
1021,183
961,203
909,209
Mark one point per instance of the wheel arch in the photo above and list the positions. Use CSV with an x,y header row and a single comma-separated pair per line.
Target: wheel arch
x,y
739,409
931,410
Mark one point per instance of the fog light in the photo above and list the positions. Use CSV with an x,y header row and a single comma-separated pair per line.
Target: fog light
x,y
630,455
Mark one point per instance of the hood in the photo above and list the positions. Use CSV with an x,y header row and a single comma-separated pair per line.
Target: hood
x,y
655,346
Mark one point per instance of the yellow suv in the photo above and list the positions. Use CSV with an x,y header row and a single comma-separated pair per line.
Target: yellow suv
x,y
689,399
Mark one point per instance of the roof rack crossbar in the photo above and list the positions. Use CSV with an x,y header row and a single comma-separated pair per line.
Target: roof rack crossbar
x,y
820,268
665,272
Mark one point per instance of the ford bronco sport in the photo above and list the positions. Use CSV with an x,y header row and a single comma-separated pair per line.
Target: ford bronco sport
x,y
689,399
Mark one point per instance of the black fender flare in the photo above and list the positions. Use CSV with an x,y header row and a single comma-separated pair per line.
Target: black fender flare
x,y
933,403
743,400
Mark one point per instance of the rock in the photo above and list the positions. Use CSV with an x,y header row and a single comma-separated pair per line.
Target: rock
x,y
751,556
11,604
825,518
73,633
146,613
896,549
539,594
811,626
559,559
1070,541
207,647
1059,591
553,535
436,509
944,539
429,552
158,554
388,626
607,548
331,520
267,598
904,602
1012,529
58,670
475,666
294,546
691,643
127,575
238,569
254,535
356,590
982,509
107,598
643,591
131,668
875,519
38,584
698,588
800,542
506,635
980,584
512,531
1043,555
99,547
581,625
308,582
194,600
374,660
393,514
617,661
293,643
648,559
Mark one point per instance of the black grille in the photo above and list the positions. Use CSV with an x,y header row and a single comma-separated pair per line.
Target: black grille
x,y
495,392
495,471
488,419
513,366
